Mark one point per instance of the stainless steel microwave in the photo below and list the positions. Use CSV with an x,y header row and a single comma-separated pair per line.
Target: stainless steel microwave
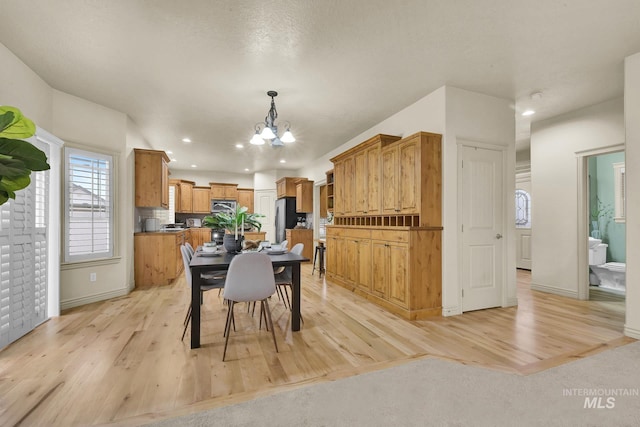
x,y
228,206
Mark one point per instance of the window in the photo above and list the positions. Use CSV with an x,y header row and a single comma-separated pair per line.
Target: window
x,y
523,209
88,205
619,188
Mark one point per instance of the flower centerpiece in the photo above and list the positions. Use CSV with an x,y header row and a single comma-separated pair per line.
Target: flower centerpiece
x,y
234,223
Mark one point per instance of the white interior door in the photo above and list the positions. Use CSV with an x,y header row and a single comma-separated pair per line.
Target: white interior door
x,y
482,228
265,204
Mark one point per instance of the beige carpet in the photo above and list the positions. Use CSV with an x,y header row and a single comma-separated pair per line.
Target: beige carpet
x,y
432,392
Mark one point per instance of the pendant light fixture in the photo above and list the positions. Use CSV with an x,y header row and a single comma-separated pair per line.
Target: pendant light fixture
x,y
268,131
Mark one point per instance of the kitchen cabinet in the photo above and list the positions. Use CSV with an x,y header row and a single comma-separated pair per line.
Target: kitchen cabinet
x,y
199,236
255,235
399,269
304,236
157,257
304,196
151,179
245,198
201,200
286,187
323,201
223,191
344,188
357,174
330,190
411,178
183,195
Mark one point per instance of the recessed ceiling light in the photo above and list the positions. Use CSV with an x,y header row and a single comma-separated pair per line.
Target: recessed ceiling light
x,y
283,161
536,96
174,160
169,152
246,169
187,140
528,113
194,166
239,146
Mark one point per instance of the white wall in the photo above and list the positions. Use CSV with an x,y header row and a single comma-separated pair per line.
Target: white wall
x,y
78,121
22,88
554,144
632,156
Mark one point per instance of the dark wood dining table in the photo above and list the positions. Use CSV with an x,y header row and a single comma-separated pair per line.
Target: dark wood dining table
x,y
219,262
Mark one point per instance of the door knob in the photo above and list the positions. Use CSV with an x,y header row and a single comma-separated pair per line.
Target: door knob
x,y
498,236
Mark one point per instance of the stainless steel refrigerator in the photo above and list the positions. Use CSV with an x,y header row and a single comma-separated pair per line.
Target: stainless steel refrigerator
x,y
286,216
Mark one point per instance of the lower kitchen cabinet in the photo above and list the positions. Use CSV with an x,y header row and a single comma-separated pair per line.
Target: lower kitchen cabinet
x,y
199,236
157,257
399,269
304,236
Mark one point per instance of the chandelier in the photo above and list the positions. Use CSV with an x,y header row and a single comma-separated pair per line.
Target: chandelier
x,y
269,130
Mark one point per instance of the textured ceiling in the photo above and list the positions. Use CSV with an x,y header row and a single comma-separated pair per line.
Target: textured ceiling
x,y
201,68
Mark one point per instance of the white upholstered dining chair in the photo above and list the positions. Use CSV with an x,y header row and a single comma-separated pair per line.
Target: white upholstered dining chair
x,y
249,279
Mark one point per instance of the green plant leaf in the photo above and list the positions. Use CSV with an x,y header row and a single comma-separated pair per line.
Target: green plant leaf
x,y
14,184
12,168
32,157
18,127
6,119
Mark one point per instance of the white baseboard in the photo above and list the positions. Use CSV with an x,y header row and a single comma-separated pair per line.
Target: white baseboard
x,y
553,290
632,332
511,302
451,311
76,302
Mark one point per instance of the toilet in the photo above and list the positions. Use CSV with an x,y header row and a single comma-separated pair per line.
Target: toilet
x,y
605,274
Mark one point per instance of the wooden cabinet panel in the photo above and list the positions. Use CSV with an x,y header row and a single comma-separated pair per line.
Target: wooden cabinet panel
x,y
151,178
286,187
330,191
389,163
223,191
186,197
397,274
335,259
201,200
348,201
255,235
304,236
338,198
379,273
323,201
363,265
200,236
373,181
360,178
157,258
408,187
245,198
304,196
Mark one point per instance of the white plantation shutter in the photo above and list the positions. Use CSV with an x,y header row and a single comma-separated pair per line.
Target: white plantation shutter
x,y
24,258
88,205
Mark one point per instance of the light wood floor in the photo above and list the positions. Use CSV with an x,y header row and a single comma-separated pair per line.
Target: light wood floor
x,y
122,362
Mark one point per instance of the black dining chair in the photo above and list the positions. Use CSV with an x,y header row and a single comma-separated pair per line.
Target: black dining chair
x,y
210,283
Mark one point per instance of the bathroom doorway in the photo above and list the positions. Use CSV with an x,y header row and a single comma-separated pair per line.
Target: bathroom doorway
x,y
605,218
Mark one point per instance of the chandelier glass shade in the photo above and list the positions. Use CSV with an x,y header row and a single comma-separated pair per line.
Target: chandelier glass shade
x,y
268,131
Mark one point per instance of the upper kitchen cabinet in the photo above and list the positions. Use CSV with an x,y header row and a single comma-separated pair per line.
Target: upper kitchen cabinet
x,y
412,178
286,187
304,196
221,191
201,200
329,191
151,178
245,198
183,195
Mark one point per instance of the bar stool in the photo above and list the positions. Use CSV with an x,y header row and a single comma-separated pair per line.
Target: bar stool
x,y
320,249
